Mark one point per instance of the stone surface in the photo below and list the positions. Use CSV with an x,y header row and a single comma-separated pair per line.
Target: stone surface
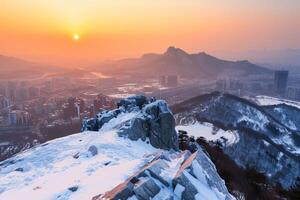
x,y
149,183
196,162
146,189
154,121
121,192
156,169
190,190
93,150
137,129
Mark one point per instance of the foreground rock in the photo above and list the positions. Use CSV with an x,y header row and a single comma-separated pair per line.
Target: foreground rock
x,y
153,119
182,176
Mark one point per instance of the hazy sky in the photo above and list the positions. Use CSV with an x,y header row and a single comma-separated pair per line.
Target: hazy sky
x,y
43,30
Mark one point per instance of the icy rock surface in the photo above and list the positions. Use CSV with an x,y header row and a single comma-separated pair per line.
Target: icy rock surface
x,y
153,120
188,177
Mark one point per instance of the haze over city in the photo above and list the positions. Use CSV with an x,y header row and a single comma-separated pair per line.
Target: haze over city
x,y
150,99
43,31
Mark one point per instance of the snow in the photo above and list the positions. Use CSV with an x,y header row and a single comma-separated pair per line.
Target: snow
x,y
64,168
288,143
204,191
209,132
284,119
266,143
120,95
258,122
178,190
202,177
267,100
50,170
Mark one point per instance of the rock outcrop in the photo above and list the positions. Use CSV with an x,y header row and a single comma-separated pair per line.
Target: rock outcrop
x,y
153,120
182,175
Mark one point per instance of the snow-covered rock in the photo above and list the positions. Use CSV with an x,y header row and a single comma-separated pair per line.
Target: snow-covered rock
x,y
153,120
187,178
102,165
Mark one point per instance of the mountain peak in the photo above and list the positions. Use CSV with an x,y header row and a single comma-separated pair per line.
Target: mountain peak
x,y
174,51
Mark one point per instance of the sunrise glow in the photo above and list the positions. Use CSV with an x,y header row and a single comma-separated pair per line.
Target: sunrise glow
x,y
76,37
119,29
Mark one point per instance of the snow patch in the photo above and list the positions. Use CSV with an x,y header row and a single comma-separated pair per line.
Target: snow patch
x,y
267,100
210,132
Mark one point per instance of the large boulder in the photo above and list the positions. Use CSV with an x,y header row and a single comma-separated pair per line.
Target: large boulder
x,y
198,171
153,120
137,128
195,178
156,122
161,121
133,101
146,188
90,125
106,116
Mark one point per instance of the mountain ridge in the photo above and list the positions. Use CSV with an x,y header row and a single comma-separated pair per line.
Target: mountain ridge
x,y
265,142
187,65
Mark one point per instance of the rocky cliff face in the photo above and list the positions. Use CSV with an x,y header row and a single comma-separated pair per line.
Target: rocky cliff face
x,y
266,142
152,120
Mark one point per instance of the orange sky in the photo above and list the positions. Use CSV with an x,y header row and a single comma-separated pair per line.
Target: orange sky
x,y
42,30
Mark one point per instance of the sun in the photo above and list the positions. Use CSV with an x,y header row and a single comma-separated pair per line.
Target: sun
x,y
76,37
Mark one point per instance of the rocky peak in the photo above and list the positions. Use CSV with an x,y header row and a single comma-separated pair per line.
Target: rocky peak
x,y
152,120
173,51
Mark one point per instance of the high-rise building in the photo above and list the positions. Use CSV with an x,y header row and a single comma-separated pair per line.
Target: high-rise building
x,y
280,81
34,92
11,90
4,102
18,118
22,93
2,90
293,93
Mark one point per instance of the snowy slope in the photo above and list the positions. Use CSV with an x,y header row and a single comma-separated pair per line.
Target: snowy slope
x,y
210,132
263,136
48,171
235,113
266,100
71,168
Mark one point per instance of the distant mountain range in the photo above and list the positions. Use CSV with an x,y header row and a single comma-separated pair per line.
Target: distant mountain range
x,y
13,68
176,61
173,61
288,59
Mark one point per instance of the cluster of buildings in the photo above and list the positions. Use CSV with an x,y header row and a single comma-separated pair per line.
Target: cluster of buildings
x,y
19,118
55,102
19,91
276,85
229,85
